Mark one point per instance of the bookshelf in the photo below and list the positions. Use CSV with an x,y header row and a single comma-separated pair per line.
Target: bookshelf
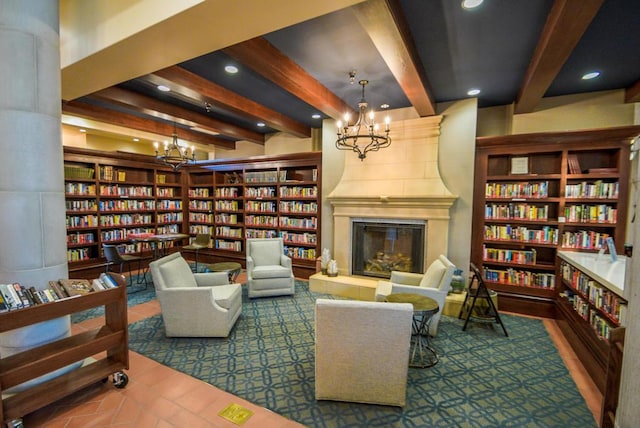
x,y
591,307
536,194
109,341
112,196
260,198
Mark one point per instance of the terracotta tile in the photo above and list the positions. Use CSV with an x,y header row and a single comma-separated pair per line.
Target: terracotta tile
x,y
155,375
128,412
175,386
185,418
198,398
95,420
163,408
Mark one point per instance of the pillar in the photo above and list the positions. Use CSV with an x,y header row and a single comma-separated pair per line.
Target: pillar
x,y
32,223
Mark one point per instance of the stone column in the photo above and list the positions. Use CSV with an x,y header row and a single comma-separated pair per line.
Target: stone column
x,y
32,223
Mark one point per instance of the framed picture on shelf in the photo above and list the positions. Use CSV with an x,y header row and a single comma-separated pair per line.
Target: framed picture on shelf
x,y
519,165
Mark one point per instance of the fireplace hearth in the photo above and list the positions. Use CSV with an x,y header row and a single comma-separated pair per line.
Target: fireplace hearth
x,y
382,246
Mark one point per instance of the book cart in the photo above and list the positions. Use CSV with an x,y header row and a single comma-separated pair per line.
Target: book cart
x,y
104,350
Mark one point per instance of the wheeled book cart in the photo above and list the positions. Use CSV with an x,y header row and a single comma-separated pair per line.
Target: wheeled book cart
x,y
105,351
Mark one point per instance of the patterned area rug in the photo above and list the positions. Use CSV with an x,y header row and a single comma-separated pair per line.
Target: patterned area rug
x,y
483,379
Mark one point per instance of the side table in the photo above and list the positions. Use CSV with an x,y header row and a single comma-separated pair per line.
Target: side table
x,y
232,269
421,355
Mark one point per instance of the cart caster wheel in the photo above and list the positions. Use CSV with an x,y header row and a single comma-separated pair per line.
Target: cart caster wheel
x,y
120,380
15,423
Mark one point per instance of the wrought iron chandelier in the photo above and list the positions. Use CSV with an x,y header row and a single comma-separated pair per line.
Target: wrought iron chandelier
x,y
175,155
364,135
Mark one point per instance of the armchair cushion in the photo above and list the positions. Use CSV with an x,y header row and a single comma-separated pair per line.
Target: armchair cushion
x,y
433,275
275,271
262,253
177,273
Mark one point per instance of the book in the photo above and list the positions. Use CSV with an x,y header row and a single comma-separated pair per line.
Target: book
x,y
76,287
3,305
8,297
57,289
20,296
574,164
108,281
98,285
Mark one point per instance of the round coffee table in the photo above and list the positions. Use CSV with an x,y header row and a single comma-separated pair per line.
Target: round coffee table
x,y
421,354
232,269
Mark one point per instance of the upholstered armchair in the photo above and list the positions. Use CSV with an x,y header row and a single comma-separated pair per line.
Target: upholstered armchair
x,y
194,304
435,283
269,271
362,351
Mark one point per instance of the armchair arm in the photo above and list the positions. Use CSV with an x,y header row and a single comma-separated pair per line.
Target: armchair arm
x,y
250,266
408,278
209,279
187,300
285,261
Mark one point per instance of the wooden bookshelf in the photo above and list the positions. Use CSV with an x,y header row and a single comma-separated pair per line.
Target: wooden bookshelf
x,y
260,197
535,194
110,339
230,200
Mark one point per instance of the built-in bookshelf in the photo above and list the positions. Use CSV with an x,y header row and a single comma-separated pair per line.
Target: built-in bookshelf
x,y
111,197
536,194
592,305
270,197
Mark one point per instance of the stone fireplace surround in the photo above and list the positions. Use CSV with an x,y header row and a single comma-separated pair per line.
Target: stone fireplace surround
x,y
400,182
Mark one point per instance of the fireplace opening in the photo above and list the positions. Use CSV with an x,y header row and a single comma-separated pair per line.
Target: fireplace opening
x,y
382,246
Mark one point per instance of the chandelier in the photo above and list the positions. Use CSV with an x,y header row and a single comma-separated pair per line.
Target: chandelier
x,y
364,135
173,154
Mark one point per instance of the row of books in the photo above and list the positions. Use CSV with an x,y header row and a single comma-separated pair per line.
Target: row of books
x,y
509,256
522,278
516,211
517,190
545,235
17,296
597,189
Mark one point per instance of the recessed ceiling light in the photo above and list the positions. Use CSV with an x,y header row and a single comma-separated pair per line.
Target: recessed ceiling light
x,y
384,105
136,139
231,69
473,91
315,116
82,130
470,4
261,124
163,88
591,75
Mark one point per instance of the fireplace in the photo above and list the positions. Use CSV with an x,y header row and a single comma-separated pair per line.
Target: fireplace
x,y
400,183
380,246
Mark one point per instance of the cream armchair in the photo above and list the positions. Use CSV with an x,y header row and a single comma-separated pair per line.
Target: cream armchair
x,y
435,283
194,304
362,351
269,271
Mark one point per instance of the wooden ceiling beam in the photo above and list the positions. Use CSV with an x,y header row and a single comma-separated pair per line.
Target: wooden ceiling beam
x,y
269,62
163,110
632,94
101,114
565,26
202,90
386,25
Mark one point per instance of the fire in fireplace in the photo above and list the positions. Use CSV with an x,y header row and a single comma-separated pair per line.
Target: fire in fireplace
x,y
380,246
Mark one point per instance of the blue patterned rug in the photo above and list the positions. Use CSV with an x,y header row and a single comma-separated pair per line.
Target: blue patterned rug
x,y
483,379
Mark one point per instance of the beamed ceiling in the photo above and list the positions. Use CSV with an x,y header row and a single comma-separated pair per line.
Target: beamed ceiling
x,y
415,53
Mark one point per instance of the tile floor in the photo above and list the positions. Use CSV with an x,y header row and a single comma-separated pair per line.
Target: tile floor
x,y
158,396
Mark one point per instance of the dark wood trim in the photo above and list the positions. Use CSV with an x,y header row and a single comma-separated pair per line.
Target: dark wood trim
x,y
565,26
632,93
266,60
194,87
385,23
166,111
